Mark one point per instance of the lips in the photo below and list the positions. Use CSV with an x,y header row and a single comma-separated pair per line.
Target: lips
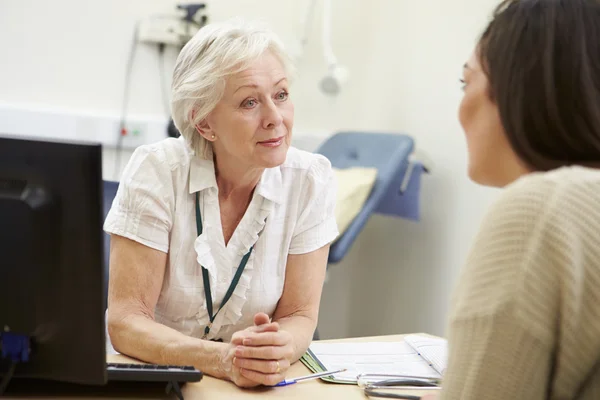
x,y
271,141
275,142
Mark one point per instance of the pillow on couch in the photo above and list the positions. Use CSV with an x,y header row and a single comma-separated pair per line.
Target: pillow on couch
x,y
354,186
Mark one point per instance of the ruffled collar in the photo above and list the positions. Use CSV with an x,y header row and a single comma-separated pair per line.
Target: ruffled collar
x,y
267,193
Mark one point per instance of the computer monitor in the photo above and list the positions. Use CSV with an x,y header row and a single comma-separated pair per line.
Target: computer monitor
x,y
51,260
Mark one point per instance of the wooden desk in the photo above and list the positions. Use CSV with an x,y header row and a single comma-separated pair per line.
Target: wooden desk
x,y
214,389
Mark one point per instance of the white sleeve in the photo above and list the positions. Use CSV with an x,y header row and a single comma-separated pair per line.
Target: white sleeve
x,y
143,206
316,225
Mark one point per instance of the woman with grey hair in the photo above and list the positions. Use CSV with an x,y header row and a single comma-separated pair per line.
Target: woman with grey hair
x,y
220,238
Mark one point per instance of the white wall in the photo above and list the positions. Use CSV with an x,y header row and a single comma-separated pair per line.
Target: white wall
x,y
405,59
416,53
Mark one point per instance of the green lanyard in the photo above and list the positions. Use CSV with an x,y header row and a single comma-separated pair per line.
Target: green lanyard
x,y
205,278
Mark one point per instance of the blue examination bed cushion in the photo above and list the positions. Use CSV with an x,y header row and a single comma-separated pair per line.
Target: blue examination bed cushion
x,y
389,155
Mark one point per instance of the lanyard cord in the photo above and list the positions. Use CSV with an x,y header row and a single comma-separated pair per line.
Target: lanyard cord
x,y
206,280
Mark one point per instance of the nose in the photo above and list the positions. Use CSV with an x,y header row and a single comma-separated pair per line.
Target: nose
x,y
272,117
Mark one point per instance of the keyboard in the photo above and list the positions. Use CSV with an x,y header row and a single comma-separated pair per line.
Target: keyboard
x,y
152,373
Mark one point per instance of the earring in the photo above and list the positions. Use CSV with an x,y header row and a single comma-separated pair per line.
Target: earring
x,y
213,136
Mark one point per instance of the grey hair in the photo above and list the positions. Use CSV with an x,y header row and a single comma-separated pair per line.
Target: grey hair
x,y
214,53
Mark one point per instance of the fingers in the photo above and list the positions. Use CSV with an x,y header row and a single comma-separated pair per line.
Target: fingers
x,y
263,366
239,337
270,327
243,382
264,352
261,319
280,338
264,379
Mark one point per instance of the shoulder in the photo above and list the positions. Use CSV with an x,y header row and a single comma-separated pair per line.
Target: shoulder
x,y
528,244
531,228
300,164
161,167
172,153
165,162
543,196
308,178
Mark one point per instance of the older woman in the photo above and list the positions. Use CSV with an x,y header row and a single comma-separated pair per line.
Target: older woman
x,y
220,238
525,318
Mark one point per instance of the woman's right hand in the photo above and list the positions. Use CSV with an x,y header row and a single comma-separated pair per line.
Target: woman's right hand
x,y
228,357
231,372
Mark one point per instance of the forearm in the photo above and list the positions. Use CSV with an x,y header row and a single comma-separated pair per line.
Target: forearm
x,y
302,328
141,337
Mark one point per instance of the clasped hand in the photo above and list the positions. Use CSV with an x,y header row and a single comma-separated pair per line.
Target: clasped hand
x,y
259,355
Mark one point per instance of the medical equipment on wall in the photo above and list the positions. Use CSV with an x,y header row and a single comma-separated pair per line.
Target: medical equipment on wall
x,y
336,75
173,30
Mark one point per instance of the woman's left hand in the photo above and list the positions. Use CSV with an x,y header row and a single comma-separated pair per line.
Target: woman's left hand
x,y
263,357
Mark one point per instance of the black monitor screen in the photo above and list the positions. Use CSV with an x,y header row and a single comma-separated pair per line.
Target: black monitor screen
x,y
51,258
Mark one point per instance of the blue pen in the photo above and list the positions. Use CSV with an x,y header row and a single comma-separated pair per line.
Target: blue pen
x,y
307,377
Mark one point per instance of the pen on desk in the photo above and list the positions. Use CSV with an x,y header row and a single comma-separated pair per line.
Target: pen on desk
x,y
307,377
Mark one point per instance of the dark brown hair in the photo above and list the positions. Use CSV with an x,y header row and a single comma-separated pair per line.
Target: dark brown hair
x,y
542,60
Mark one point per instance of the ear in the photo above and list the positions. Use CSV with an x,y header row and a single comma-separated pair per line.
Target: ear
x,y
204,129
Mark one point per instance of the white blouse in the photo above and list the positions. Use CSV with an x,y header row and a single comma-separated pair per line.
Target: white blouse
x,y
291,212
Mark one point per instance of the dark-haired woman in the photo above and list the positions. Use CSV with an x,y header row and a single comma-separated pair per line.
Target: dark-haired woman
x,y
525,316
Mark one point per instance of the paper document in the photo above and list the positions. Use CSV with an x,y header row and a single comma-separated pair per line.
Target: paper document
x,y
433,350
417,356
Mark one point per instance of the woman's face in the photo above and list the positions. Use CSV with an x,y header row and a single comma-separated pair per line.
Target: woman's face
x,y
252,124
492,162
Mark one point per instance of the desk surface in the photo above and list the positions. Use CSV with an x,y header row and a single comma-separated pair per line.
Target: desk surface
x,y
214,389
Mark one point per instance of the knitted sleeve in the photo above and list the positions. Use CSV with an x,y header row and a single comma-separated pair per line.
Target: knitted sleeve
x,y
504,310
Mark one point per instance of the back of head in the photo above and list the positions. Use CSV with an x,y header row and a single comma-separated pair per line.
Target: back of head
x,y
216,52
542,59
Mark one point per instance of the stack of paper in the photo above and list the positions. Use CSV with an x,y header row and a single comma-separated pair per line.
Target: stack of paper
x,y
416,356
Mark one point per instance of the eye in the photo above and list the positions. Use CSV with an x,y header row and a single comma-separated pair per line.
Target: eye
x,y
249,103
282,96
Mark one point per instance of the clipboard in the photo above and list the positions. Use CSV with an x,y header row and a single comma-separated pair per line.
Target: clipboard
x,y
311,362
417,355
